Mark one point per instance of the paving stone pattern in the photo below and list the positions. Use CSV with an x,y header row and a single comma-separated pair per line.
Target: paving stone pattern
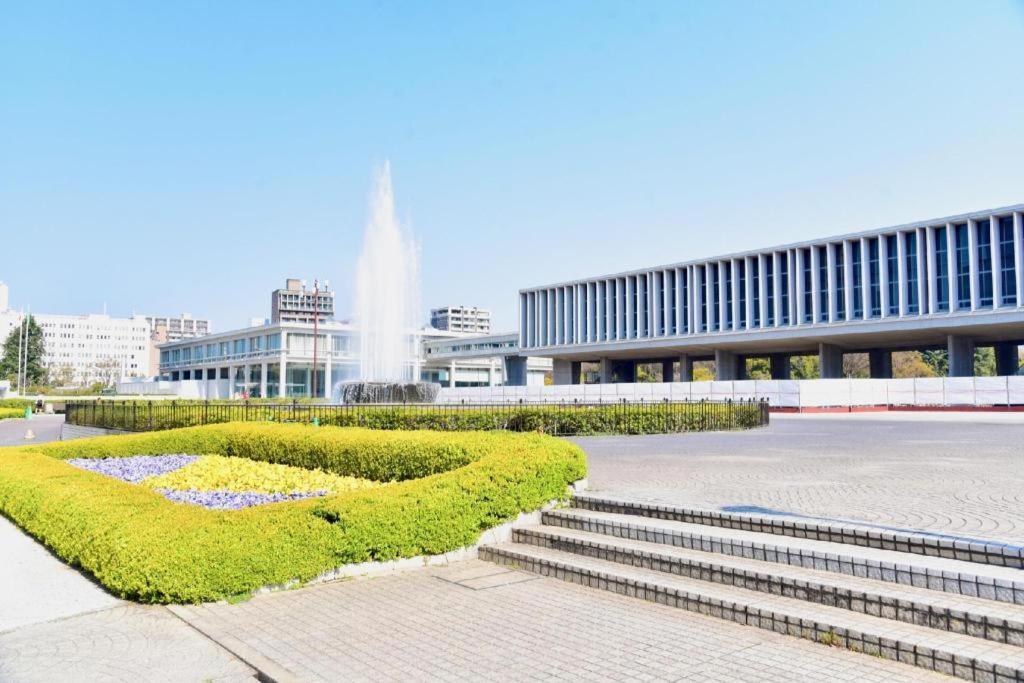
x,y
478,621
947,473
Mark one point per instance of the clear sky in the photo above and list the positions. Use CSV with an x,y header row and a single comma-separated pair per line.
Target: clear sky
x,y
160,157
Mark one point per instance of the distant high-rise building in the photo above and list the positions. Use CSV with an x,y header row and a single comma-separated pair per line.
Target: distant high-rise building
x,y
461,319
179,327
297,303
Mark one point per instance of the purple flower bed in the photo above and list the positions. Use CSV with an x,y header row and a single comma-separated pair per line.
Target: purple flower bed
x,y
134,468
232,500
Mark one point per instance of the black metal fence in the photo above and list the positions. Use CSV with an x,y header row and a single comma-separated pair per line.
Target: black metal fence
x,y
562,419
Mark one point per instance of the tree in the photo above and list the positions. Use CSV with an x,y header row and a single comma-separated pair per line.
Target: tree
x,y
35,371
906,364
805,367
703,371
856,365
937,360
759,368
108,371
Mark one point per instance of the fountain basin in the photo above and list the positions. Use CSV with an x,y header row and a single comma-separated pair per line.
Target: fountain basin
x,y
389,392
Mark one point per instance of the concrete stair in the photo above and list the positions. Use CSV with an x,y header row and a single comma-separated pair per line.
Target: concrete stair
x,y
950,615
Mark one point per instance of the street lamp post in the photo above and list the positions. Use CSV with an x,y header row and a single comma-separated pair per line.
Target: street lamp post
x,y
316,330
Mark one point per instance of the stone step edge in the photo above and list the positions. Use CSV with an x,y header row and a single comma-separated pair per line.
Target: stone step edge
x,y
960,662
831,594
988,588
840,531
849,533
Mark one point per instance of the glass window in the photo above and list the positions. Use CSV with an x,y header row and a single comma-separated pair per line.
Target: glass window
x,y
198,353
274,341
256,343
808,286
837,250
892,260
858,282
1007,264
913,304
728,294
704,299
685,324
673,318
715,322
239,346
741,273
983,238
784,287
875,278
941,270
823,283
769,274
963,266
755,285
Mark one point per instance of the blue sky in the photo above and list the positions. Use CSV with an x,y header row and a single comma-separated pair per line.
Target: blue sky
x,y
161,157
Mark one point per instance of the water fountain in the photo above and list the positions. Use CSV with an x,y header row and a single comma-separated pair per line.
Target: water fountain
x,y
387,309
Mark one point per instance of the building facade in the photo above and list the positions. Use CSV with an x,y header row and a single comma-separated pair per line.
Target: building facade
x,y
952,283
298,304
481,361
82,349
461,319
179,327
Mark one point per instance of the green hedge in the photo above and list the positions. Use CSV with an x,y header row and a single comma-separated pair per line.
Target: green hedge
x,y
562,420
16,403
7,413
447,489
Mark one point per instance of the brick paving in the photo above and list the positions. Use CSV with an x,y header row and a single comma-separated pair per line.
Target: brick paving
x,y
478,621
941,472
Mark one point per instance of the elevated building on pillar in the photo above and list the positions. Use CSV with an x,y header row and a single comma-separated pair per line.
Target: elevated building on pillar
x,y
954,283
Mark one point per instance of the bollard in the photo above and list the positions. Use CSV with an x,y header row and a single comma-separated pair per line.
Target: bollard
x,y
30,435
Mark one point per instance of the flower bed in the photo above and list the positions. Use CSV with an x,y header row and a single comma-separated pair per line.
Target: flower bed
x,y
442,490
221,482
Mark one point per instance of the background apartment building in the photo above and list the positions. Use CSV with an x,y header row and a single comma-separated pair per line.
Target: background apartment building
x,y
466,319
296,303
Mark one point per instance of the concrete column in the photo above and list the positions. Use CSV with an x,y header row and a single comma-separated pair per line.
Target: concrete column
x,y
1018,255
779,363
329,376
961,356
231,381
490,374
606,371
951,265
1007,361
263,380
997,263
880,362
685,368
830,264
451,374
282,379
667,371
515,371
726,366
830,358
562,371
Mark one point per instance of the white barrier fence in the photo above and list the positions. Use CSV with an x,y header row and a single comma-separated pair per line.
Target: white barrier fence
x,y
189,388
809,393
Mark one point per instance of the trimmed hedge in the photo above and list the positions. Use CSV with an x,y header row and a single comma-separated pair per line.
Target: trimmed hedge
x,y
8,413
446,489
558,419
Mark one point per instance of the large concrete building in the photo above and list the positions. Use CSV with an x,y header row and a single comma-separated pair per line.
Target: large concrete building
x,y
950,283
82,349
297,303
481,361
178,327
470,320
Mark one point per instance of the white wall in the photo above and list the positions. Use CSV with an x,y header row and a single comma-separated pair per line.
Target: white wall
x,y
813,393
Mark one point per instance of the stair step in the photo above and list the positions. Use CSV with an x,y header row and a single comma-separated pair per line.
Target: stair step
x,y
951,653
976,617
848,532
1002,584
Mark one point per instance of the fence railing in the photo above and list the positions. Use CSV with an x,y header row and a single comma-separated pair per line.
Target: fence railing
x,y
561,419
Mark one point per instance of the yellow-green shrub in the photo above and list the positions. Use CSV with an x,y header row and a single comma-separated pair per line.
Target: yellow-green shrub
x,y
141,546
228,473
8,413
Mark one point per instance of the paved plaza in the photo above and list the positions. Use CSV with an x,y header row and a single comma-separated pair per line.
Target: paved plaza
x,y
952,473
475,621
